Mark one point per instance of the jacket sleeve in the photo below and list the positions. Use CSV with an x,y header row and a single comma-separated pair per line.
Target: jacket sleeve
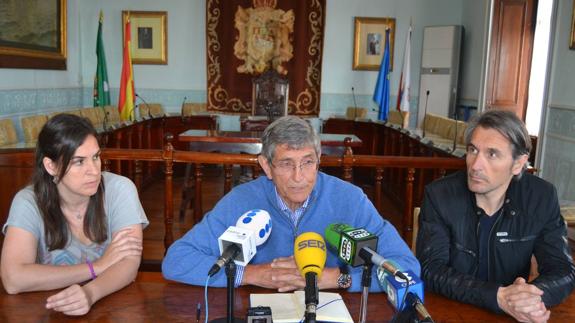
x,y
554,262
433,252
189,258
390,245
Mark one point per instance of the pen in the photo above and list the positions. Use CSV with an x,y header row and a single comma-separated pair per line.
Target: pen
x,y
198,313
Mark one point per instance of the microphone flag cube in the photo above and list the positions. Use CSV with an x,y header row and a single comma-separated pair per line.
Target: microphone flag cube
x,y
397,287
242,237
258,221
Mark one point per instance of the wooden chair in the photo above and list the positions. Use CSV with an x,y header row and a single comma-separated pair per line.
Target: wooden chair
x,y
352,113
95,115
8,134
270,93
31,127
155,110
193,108
416,211
113,114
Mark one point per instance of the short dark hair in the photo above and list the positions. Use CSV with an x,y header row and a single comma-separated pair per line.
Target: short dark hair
x,y
508,125
291,130
58,140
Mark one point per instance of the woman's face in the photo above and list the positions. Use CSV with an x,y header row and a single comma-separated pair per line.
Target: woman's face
x,y
84,171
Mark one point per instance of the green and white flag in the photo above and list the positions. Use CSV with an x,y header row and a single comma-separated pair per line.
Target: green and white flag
x,y
101,88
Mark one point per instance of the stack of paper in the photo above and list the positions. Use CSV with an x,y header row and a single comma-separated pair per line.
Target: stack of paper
x,y
288,307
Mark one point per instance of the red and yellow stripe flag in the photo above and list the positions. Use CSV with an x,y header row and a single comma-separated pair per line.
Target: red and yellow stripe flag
x,y
127,98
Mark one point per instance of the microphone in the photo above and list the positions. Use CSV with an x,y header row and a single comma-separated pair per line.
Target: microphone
x,y
357,246
239,242
405,293
147,106
354,104
182,108
425,111
310,256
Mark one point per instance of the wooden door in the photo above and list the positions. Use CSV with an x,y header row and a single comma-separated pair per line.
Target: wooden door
x,y
512,36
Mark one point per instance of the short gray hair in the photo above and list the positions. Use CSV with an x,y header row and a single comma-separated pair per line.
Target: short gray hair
x,y
508,125
291,130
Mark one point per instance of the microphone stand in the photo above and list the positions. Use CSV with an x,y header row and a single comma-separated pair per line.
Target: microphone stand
x,y
354,104
425,112
365,282
147,106
182,108
455,137
231,278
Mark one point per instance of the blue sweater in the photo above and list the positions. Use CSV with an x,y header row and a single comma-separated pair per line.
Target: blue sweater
x,y
332,201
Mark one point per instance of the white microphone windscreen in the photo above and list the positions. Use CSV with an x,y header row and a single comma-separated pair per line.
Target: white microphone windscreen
x,y
259,221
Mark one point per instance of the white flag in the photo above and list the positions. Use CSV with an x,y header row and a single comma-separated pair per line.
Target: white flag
x,y
403,95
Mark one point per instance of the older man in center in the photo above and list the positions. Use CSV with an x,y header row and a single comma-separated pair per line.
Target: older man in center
x,y
299,198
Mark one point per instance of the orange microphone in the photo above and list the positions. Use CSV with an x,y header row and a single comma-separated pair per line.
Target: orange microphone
x,y
310,255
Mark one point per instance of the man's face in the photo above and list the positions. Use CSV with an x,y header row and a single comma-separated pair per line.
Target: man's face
x,y
293,171
490,163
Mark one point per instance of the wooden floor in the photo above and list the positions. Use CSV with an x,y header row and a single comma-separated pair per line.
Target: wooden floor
x,y
153,202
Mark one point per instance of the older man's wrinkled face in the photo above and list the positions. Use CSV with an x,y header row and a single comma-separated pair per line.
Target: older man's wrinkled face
x,y
294,173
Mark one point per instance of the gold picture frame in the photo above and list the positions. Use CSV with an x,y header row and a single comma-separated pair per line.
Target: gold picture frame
x,y
369,42
34,38
149,31
572,42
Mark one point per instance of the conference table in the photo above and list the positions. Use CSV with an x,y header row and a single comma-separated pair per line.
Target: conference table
x,y
241,142
152,299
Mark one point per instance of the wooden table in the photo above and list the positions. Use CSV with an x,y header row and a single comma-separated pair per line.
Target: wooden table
x,y
153,299
240,142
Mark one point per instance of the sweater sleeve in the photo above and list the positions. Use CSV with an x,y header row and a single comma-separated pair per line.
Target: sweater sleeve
x,y
433,251
189,258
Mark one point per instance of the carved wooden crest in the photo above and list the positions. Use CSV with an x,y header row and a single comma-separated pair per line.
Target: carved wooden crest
x,y
263,41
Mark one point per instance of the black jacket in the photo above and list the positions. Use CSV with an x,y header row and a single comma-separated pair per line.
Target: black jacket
x,y
531,224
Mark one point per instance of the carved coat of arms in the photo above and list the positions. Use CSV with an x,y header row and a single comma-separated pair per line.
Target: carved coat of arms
x,y
263,41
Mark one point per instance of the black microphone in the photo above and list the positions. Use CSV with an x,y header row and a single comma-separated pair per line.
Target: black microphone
x,y
147,106
414,301
354,104
425,111
229,254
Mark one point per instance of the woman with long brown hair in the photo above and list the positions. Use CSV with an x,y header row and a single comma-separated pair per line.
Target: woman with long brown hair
x,y
75,227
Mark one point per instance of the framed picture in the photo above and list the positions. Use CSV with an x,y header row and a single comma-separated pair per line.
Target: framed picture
x,y
33,34
369,42
149,31
572,42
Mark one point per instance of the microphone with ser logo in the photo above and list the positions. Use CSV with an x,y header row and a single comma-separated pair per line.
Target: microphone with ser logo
x,y
310,255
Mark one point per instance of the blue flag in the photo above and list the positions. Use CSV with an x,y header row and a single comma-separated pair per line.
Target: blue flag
x,y
381,93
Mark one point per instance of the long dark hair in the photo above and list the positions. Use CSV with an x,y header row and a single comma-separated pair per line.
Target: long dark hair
x,y
58,140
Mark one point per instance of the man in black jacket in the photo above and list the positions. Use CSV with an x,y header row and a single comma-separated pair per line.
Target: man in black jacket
x,y
479,229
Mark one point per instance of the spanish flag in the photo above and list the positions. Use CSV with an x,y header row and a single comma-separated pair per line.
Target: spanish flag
x,y
127,98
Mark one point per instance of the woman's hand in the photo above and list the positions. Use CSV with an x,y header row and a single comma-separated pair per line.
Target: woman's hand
x,y
124,244
73,300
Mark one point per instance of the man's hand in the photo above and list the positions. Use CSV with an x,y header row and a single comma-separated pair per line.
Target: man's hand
x,y
523,302
73,300
282,274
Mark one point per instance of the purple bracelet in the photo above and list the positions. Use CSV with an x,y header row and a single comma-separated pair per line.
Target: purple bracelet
x,y
92,272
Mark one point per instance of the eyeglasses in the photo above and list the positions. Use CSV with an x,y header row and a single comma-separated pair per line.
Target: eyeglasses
x,y
288,166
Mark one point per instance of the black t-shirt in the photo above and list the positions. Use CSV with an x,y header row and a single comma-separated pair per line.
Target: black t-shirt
x,y
486,223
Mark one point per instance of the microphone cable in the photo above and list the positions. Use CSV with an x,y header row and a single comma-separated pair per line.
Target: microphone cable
x,y
206,298
324,305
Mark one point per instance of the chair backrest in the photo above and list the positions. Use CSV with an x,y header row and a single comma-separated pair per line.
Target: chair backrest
x,y
352,113
394,117
8,134
415,226
192,108
95,115
270,93
31,127
152,109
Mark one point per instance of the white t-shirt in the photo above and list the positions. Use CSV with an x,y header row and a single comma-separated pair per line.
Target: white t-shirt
x,y
122,207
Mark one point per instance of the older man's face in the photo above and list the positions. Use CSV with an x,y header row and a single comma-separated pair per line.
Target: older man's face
x,y
294,172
